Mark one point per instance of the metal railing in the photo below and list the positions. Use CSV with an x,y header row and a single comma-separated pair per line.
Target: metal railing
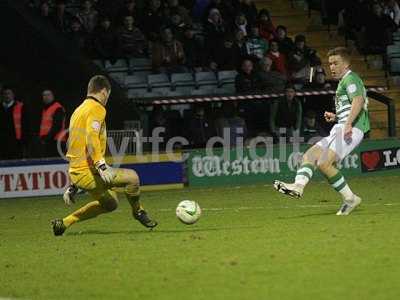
x,y
391,110
126,142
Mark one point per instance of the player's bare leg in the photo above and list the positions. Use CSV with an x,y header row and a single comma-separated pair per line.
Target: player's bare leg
x,y
129,181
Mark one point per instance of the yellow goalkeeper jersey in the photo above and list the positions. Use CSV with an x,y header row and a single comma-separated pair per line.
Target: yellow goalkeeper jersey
x,y
87,135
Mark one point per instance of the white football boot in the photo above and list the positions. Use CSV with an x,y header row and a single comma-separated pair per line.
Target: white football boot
x,y
290,189
349,205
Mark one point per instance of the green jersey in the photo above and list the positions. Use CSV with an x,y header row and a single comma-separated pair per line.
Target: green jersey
x,y
349,87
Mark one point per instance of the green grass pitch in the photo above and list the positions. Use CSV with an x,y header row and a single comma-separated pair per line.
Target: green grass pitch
x,y
251,243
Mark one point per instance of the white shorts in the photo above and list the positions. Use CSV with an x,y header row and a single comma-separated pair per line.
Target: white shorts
x,y
335,141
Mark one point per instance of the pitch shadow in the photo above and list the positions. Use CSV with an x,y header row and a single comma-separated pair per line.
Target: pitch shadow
x,y
309,215
158,231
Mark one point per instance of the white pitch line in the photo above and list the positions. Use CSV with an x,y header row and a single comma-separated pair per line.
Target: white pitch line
x,y
280,207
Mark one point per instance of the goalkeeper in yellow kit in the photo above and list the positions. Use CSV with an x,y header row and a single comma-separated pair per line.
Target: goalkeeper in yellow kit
x,y
87,168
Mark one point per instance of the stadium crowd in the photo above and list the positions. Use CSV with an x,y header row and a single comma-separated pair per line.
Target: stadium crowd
x,y
209,35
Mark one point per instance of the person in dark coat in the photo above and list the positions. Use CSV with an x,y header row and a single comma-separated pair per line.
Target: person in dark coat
x,y
247,81
14,126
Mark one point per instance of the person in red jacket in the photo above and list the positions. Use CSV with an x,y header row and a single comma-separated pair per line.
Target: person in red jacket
x,y
14,128
279,63
52,133
265,25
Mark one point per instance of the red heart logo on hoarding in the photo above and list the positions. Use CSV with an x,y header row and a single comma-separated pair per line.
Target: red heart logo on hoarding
x,y
371,159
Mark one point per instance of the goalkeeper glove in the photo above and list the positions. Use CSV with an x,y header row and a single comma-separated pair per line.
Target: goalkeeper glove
x,y
69,194
105,171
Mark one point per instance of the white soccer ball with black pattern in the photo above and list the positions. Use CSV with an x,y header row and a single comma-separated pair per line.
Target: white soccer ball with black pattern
x,y
188,212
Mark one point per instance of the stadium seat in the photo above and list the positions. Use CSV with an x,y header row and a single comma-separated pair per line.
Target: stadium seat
x,y
182,82
99,63
159,83
228,89
152,95
203,92
135,81
206,79
174,94
120,66
140,64
395,66
396,36
119,77
137,93
137,85
158,80
226,77
392,50
142,73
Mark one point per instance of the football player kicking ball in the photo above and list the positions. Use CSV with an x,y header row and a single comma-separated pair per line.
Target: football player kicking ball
x,y
352,123
87,168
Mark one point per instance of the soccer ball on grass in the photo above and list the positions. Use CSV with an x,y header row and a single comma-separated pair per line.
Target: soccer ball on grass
x,y
188,212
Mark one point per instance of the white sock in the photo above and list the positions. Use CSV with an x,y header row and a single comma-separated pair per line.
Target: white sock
x,y
304,174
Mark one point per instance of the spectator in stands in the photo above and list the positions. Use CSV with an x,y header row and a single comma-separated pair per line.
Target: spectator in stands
x,y
391,8
279,63
14,126
377,33
111,8
158,119
247,81
105,41
200,129
241,25
301,59
168,54
173,8
270,80
77,35
266,27
354,18
225,7
319,80
153,19
257,47
61,18
225,56
249,9
240,44
193,49
319,103
88,16
52,126
45,10
286,112
177,25
311,128
214,29
128,9
230,120
131,40
285,43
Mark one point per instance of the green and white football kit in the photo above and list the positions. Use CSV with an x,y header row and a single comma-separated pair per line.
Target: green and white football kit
x,y
350,86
